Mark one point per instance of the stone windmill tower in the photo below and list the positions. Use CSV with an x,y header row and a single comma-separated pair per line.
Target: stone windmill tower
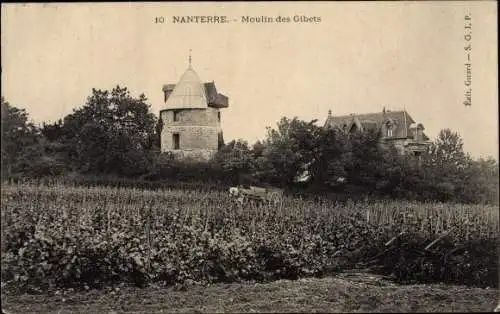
x,y
191,117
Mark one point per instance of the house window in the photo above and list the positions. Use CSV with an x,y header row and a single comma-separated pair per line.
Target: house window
x,y
176,140
176,115
389,131
418,156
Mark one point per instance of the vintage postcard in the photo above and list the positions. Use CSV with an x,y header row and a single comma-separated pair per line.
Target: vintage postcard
x,y
250,156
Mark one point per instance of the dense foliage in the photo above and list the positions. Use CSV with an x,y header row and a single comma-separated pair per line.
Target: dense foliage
x,y
19,138
361,164
60,236
114,137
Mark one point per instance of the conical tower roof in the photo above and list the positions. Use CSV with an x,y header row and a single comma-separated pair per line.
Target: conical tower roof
x,y
189,93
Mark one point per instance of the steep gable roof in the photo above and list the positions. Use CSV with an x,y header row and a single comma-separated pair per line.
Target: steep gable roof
x,y
401,120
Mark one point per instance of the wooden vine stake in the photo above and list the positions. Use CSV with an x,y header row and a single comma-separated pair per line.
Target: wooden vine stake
x,y
438,239
394,238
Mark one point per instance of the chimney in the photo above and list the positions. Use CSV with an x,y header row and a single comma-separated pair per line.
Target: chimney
x,y
329,113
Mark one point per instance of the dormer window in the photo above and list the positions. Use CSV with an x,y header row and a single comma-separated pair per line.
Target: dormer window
x,y
420,132
389,126
417,130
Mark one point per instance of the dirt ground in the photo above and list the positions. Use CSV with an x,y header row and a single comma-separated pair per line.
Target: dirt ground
x,y
343,293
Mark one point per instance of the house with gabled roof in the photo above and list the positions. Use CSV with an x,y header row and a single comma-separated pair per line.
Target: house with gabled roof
x,y
396,127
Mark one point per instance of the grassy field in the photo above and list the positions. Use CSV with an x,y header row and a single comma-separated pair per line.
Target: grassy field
x,y
57,236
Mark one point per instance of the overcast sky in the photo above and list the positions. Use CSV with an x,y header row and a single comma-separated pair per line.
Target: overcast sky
x,y
358,59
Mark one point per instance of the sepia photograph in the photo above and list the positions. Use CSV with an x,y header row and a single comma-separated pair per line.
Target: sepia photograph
x,y
250,157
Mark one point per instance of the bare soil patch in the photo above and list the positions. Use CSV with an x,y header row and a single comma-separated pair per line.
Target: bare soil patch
x,y
352,292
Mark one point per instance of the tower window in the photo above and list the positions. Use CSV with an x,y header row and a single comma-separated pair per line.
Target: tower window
x,y
176,115
176,140
218,116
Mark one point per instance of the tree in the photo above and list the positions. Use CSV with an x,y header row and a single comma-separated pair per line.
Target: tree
x,y
487,174
449,173
328,167
258,149
236,160
447,151
158,130
52,132
287,150
112,133
17,135
40,160
478,182
363,159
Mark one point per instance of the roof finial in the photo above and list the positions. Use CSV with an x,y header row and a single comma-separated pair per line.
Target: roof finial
x,y
189,57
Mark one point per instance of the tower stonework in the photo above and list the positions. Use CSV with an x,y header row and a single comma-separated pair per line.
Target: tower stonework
x,y
191,118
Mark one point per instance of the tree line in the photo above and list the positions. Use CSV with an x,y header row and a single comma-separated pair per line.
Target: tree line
x,y
114,135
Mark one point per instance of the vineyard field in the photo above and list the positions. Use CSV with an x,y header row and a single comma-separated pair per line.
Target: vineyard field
x,y
93,237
